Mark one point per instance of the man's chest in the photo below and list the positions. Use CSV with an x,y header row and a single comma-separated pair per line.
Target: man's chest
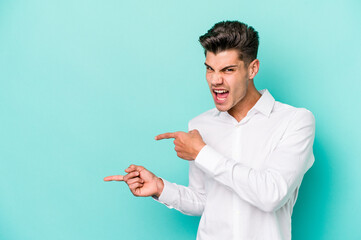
x,y
250,143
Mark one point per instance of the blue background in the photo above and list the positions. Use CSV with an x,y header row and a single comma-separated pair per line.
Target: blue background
x,y
86,85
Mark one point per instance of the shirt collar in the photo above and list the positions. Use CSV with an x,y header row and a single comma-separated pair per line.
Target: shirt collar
x,y
264,105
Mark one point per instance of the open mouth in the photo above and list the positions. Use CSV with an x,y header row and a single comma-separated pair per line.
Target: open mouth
x,y
220,95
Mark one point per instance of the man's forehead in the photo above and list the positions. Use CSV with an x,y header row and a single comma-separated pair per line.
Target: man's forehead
x,y
223,59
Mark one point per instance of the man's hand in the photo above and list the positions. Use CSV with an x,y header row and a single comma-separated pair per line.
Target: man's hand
x,y
141,182
187,145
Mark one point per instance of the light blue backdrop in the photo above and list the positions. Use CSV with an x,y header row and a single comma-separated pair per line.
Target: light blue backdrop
x,y
86,85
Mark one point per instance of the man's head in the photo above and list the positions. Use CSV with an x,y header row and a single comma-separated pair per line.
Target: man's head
x,y
231,63
232,35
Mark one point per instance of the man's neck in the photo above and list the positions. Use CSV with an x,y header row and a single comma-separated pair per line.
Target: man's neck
x,y
240,110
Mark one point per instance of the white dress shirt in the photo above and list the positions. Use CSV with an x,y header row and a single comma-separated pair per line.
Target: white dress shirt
x,y
244,182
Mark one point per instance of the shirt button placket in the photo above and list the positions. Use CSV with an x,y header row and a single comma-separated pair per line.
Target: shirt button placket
x,y
236,154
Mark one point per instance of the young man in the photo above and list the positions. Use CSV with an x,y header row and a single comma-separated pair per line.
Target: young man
x,y
247,156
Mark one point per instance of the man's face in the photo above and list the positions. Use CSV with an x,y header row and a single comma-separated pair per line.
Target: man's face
x,y
227,78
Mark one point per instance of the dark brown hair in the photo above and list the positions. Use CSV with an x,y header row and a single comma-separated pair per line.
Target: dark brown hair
x,y
228,35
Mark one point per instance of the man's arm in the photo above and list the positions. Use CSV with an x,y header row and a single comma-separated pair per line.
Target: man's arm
x,y
270,188
188,200
143,183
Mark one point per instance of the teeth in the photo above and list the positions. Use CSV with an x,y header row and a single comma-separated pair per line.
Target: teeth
x,y
220,91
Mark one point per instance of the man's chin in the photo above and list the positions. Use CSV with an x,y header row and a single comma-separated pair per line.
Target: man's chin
x,y
222,108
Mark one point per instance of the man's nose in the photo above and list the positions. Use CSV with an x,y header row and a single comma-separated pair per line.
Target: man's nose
x,y
217,79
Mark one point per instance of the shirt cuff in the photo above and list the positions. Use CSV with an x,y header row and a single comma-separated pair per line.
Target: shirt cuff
x,y
216,165
169,194
208,159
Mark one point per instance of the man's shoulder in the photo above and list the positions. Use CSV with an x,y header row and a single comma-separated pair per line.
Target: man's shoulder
x,y
293,114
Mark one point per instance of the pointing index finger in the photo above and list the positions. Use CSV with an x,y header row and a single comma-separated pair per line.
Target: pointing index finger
x,y
114,178
166,136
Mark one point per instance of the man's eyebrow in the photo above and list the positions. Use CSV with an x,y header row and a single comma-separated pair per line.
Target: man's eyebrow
x,y
230,66
207,65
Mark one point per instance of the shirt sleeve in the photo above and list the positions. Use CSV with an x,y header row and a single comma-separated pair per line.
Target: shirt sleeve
x,y
188,200
270,188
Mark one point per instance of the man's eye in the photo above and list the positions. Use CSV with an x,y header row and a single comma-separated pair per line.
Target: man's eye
x,y
209,68
229,70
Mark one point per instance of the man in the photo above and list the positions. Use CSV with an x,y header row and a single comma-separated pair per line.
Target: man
x,y
247,156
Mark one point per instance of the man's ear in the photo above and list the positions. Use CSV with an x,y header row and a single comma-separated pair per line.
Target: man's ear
x,y
253,68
